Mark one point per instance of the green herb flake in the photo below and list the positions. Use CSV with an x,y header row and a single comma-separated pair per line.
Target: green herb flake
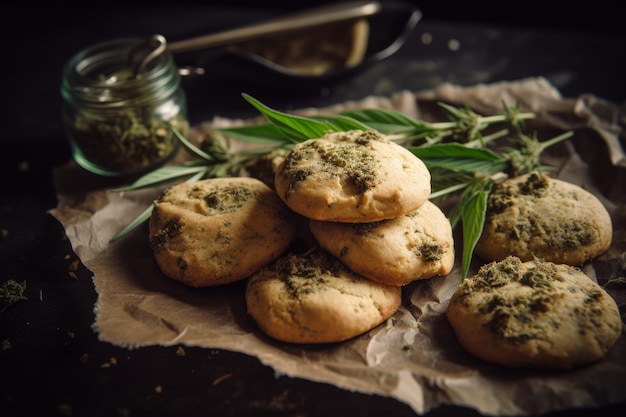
x,y
431,250
11,292
130,142
305,273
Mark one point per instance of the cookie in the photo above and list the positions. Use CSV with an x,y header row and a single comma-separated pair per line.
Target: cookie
x,y
534,314
354,176
538,216
220,230
312,298
397,251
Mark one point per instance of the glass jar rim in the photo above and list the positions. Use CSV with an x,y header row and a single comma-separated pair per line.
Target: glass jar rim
x,y
88,75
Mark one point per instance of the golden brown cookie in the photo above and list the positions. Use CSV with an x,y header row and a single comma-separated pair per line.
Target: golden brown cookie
x,y
538,216
354,176
397,251
220,230
534,314
314,298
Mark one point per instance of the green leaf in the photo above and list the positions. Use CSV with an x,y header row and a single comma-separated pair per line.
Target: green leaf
x,y
473,213
390,122
139,220
342,123
261,133
197,176
191,148
164,175
457,113
444,181
295,128
465,165
259,151
454,150
384,117
270,133
456,157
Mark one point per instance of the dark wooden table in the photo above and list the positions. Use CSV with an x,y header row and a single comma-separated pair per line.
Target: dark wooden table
x,y
51,361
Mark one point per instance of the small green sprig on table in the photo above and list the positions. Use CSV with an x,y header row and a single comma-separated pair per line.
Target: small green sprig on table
x,y
464,157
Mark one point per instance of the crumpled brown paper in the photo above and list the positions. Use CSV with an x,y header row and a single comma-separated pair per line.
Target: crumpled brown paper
x,y
414,356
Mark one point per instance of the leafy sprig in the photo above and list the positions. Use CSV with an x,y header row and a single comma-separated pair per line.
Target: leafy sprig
x,y
461,154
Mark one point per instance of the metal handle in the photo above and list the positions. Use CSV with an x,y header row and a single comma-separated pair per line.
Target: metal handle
x,y
292,22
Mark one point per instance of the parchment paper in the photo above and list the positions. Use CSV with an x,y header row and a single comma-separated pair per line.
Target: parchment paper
x,y
137,306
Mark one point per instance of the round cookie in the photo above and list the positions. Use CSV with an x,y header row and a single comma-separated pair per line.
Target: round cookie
x,y
220,230
314,298
397,251
534,314
537,216
353,176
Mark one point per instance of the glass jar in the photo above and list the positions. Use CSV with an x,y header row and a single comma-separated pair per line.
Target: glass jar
x,y
119,123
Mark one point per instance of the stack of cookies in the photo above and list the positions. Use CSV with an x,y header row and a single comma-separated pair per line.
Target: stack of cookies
x,y
364,203
365,199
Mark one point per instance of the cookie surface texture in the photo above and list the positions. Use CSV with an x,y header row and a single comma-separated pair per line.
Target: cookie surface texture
x,y
397,251
313,298
534,314
220,230
354,176
538,216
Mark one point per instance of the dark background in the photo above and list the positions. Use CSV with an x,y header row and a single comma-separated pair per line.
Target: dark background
x,y
57,365
601,16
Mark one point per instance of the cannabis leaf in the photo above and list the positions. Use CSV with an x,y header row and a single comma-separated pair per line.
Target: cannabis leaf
x,y
457,152
472,209
139,220
293,128
166,174
454,156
